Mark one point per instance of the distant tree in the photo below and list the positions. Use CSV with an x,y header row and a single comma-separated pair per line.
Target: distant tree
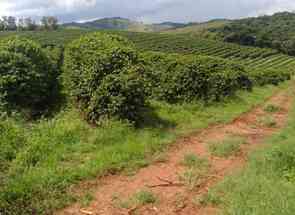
x,y
49,23
44,22
53,22
21,24
5,22
1,25
11,23
30,24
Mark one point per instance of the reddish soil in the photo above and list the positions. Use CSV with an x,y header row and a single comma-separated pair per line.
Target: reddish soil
x,y
173,197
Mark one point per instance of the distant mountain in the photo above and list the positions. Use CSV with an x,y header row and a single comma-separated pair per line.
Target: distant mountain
x,y
118,23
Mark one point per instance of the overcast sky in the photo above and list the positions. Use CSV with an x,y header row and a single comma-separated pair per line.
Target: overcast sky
x,y
144,10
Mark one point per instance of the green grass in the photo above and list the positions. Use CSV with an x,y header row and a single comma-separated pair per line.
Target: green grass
x,y
271,108
268,121
141,198
145,197
192,177
191,160
227,147
40,161
267,185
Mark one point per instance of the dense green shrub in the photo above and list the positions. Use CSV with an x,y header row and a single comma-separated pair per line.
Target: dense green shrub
x,y
26,75
186,78
103,76
263,77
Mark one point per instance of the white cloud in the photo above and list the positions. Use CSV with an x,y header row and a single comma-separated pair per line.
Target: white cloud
x,y
150,10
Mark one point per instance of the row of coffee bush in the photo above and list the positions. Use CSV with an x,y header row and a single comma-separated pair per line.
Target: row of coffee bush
x,y
106,77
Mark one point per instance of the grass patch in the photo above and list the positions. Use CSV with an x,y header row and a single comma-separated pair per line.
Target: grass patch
x,y
192,177
141,198
87,199
271,108
191,160
196,170
268,121
267,184
40,161
210,198
227,147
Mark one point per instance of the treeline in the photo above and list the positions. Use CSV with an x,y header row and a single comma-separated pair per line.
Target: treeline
x,y
11,23
276,31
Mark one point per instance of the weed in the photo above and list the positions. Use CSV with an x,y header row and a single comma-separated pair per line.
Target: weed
x,y
210,198
87,199
271,108
268,121
228,147
141,198
191,160
192,177
145,197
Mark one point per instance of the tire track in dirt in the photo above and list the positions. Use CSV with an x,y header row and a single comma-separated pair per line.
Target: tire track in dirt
x,y
163,178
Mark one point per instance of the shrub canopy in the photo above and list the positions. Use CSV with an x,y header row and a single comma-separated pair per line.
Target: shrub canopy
x,y
186,78
102,74
26,75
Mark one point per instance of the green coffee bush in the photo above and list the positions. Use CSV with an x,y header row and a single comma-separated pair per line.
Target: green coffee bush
x,y
26,75
103,76
263,77
177,78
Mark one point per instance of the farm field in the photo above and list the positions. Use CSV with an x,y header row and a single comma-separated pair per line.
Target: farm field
x,y
255,58
81,106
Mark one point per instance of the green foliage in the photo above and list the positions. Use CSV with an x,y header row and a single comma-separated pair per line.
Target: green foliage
x,y
193,161
27,76
227,147
176,78
12,139
268,121
145,197
103,77
262,77
276,31
272,108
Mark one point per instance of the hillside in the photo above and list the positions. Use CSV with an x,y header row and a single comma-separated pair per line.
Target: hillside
x,y
276,31
256,58
118,23
202,28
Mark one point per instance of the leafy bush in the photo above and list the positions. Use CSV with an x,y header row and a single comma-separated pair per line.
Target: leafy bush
x,y
263,77
26,75
185,78
102,74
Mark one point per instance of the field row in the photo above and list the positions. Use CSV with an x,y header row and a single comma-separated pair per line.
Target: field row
x,y
257,58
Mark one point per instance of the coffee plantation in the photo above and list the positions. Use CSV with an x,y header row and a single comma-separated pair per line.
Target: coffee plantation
x,y
115,100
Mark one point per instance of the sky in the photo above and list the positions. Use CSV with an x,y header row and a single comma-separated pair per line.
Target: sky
x,y
150,11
